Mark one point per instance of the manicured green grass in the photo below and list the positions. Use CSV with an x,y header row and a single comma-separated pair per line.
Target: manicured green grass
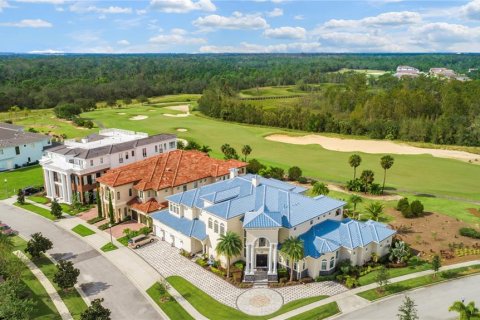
x,y
393,288
33,208
123,240
109,247
82,230
171,307
212,309
271,91
394,272
67,209
18,179
321,312
44,308
39,199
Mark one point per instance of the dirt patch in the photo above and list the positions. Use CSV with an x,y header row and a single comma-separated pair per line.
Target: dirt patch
x,y
182,130
139,117
183,108
372,146
474,211
384,197
433,232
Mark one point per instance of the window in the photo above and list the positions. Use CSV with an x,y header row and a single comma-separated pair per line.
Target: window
x,y
210,223
215,229
324,264
164,146
195,184
262,242
120,158
222,229
101,160
98,174
332,262
184,188
126,155
130,192
1,151
133,153
144,152
91,163
17,150
160,149
336,254
156,148
28,159
125,211
118,195
140,194
295,266
338,212
311,222
172,145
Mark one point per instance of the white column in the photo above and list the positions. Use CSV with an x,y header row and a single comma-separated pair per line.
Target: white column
x,y
47,183
52,185
64,187
252,258
269,259
69,188
247,258
275,258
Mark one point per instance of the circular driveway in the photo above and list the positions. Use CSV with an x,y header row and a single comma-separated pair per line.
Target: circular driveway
x,y
259,302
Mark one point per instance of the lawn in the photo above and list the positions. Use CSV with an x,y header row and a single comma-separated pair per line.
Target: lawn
x,y
321,312
393,288
82,230
18,179
44,308
109,247
394,272
212,309
123,240
271,91
39,199
171,307
33,208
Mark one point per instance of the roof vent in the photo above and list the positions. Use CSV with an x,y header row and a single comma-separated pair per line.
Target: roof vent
x,y
255,181
233,172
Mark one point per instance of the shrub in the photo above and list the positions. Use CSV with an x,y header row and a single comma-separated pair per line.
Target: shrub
x,y
294,173
217,271
67,111
355,185
201,262
416,207
282,273
37,245
330,277
145,230
103,226
94,220
239,264
302,180
254,166
402,204
375,189
351,282
470,232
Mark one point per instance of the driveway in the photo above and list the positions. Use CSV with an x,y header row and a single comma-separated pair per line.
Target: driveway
x,y
99,278
432,302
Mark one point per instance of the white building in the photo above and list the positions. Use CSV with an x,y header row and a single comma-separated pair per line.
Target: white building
x,y
19,148
75,165
407,71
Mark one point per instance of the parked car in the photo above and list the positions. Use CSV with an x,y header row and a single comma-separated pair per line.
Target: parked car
x,y
138,241
5,229
28,191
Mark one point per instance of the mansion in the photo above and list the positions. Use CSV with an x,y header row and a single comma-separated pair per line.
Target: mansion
x,y
265,212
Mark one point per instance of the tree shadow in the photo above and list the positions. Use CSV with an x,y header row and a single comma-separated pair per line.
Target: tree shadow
x,y
426,195
93,288
63,256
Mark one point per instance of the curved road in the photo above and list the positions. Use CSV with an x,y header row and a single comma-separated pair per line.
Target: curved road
x,y
99,278
432,302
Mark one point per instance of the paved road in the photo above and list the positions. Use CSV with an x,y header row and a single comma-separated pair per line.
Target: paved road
x,y
432,302
98,276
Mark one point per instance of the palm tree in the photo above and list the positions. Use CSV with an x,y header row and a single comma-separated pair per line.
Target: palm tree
x,y
246,150
466,312
292,250
375,209
320,188
367,178
205,149
354,199
229,245
386,162
354,162
6,242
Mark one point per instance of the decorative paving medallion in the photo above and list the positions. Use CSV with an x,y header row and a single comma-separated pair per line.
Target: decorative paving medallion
x,y
259,302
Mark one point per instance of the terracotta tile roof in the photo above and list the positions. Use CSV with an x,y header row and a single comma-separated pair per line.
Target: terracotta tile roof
x,y
147,207
171,169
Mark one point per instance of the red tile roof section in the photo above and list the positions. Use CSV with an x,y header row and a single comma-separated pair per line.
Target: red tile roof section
x,y
147,207
171,169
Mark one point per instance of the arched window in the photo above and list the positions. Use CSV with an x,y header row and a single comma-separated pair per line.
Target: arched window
x,y
324,264
332,262
222,228
262,242
215,229
210,223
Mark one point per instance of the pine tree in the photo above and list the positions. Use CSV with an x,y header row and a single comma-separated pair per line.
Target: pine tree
x,y
56,209
99,205
110,208
407,310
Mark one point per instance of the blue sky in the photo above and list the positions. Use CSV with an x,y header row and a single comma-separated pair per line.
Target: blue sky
x,y
205,26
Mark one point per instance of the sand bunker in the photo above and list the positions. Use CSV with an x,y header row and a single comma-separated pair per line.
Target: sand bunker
x,y
152,110
184,108
185,142
121,113
139,117
372,146
182,130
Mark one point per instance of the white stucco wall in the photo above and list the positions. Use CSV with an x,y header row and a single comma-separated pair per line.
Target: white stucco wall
x,y
34,151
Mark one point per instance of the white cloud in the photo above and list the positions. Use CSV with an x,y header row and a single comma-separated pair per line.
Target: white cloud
x,y
246,47
176,37
123,42
79,7
277,12
383,19
28,23
285,33
471,10
47,51
141,11
182,6
43,1
441,34
299,17
236,21
4,4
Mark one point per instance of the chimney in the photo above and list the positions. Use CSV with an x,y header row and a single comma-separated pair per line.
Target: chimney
x,y
255,181
233,172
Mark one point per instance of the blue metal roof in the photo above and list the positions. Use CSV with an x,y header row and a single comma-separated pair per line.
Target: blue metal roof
x,y
330,235
191,228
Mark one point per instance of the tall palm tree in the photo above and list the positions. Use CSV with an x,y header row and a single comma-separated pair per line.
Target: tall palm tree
x,y
229,245
375,209
386,162
320,188
292,249
367,178
355,160
205,149
354,199
466,312
246,150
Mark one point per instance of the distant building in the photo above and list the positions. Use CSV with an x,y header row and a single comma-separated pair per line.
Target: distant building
x,y
141,188
407,71
74,166
19,148
443,72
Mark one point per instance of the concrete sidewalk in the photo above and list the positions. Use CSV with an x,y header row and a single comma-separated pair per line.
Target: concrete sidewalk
x,y
47,285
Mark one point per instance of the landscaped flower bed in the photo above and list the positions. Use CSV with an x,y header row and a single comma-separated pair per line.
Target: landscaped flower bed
x,y
236,271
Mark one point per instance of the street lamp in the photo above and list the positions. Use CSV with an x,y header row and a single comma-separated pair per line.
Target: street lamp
x,y
110,226
6,187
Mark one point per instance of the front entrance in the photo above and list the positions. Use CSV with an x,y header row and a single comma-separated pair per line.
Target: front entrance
x,y
134,215
262,260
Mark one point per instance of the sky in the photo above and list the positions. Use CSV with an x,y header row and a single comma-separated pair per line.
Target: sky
x,y
256,26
